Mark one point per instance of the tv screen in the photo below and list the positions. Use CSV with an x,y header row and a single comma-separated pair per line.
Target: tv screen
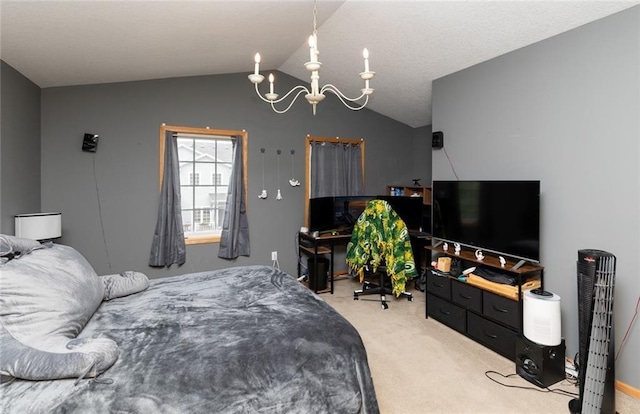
x,y
502,217
321,214
408,208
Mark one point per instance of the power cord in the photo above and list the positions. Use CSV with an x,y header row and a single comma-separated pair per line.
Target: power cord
x,y
624,340
543,390
104,237
450,163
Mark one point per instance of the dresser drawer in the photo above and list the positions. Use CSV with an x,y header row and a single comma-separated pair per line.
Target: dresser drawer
x,y
439,285
446,312
467,296
492,335
500,309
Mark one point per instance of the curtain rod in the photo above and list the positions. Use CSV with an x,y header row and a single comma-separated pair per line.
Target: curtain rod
x,y
336,140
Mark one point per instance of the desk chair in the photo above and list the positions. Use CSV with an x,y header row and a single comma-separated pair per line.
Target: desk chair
x,y
380,244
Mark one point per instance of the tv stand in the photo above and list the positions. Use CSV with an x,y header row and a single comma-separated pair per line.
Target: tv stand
x,y
485,312
518,265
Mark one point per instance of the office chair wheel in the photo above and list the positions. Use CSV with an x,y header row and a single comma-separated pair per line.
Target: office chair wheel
x,y
410,298
384,305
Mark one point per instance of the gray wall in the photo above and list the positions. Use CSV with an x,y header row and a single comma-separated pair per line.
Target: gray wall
x,y
109,199
564,111
19,147
422,155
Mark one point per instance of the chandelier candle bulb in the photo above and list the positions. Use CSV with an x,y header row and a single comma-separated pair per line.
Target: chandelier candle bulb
x,y
365,54
271,83
312,51
257,67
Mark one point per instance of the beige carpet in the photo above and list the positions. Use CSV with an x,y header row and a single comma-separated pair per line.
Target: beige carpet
x,y
421,366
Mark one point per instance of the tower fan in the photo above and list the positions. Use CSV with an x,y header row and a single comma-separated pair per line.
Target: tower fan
x,y
596,274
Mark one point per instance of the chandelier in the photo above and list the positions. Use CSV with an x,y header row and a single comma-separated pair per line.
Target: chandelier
x,y
316,94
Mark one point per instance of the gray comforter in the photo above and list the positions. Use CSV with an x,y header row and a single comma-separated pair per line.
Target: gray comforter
x,y
238,340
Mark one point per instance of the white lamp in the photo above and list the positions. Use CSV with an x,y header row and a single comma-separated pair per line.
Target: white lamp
x,y
39,226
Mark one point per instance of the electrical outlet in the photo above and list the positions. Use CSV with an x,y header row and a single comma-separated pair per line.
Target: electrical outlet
x,y
274,256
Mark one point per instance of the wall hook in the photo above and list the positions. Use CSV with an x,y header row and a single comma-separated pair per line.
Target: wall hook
x,y
293,182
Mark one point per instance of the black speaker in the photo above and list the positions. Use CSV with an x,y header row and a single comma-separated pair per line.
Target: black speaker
x,y
90,143
541,365
437,139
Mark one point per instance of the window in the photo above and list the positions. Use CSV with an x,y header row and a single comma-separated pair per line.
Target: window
x,y
203,153
344,167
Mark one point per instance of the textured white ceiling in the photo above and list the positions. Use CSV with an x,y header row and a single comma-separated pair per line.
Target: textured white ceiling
x,y
60,43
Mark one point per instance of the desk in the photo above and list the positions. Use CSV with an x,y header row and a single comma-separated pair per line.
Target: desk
x,y
323,244
419,241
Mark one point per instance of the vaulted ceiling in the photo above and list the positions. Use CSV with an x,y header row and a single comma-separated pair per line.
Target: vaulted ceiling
x,y
411,43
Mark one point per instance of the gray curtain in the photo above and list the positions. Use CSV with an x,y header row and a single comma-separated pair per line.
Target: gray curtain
x,y
234,240
336,170
168,245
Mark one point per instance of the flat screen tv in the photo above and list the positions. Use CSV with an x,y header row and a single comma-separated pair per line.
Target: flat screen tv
x,y
502,217
321,214
408,208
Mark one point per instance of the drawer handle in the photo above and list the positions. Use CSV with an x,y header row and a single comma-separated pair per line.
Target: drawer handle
x,y
464,296
439,285
492,336
444,313
500,310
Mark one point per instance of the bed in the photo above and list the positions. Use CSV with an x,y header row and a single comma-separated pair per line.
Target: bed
x,y
247,339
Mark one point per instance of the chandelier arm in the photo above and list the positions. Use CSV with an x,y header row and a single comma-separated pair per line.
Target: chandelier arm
x,y
292,101
330,88
302,89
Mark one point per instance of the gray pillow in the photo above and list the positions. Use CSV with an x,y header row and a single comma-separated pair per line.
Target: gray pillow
x,y
16,246
63,358
47,297
49,292
123,284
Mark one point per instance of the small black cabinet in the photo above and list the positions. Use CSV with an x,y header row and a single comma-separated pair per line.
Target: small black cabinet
x,y
490,318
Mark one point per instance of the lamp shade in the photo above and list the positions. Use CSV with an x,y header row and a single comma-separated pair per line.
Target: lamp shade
x,y
39,226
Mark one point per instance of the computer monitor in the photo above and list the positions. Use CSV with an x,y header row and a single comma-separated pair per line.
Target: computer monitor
x,y
348,209
410,209
321,213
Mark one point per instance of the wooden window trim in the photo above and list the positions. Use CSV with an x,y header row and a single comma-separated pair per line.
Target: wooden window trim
x,y
207,131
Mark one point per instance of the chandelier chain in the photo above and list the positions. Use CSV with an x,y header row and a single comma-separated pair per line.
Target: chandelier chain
x,y
315,18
